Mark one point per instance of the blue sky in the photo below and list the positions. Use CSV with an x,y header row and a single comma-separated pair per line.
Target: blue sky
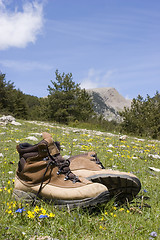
x,y
103,43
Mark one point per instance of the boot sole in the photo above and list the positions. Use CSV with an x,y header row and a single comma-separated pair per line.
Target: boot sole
x,y
122,187
30,197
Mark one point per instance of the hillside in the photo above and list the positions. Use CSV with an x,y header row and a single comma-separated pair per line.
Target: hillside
x,y
138,219
107,101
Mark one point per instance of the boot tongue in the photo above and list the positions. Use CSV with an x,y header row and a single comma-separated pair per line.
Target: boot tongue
x,y
53,150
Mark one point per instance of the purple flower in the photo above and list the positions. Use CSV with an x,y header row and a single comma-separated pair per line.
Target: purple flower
x,y
153,234
43,216
20,210
144,190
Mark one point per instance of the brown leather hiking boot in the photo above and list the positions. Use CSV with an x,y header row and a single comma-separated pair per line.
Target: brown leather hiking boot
x,y
121,185
43,173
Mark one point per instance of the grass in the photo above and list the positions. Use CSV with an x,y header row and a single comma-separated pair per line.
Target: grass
x,y
135,220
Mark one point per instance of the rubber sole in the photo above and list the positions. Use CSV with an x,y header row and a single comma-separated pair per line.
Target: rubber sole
x,y
122,187
29,197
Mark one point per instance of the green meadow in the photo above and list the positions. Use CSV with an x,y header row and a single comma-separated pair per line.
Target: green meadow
x,y
136,220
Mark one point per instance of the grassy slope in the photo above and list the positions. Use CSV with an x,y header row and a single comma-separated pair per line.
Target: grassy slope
x,y
133,221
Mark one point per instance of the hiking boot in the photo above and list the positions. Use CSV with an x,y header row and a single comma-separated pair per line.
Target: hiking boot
x,y
121,185
43,173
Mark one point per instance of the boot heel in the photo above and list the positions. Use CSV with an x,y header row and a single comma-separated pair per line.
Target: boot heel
x,y
19,195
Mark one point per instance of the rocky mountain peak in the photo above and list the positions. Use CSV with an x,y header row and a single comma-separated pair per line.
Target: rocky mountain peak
x,y
107,101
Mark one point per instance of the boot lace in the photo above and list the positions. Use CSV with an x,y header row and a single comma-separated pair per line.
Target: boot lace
x,y
96,159
63,168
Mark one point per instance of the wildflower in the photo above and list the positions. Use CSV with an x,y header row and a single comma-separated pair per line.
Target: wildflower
x,y
20,210
36,209
100,227
114,215
121,209
153,234
43,211
43,216
51,215
102,218
128,211
106,213
31,214
14,205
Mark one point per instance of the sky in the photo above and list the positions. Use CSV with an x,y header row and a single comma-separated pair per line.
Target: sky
x,y
103,43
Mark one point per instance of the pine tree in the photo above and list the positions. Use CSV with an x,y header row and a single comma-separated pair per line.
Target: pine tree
x,y
6,94
20,106
67,102
143,118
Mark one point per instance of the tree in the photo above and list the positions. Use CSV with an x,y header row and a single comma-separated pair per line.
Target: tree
x,y
20,106
12,101
84,107
143,118
6,92
67,102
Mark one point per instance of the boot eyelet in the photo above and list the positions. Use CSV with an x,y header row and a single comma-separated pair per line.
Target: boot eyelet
x,y
66,178
58,172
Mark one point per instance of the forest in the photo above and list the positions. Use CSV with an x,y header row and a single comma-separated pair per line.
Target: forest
x,y
67,103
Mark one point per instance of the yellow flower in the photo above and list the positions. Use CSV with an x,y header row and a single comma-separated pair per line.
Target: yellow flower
x,y
36,209
114,208
10,212
102,227
31,214
51,215
43,211
121,209
114,215
128,211
106,213
102,218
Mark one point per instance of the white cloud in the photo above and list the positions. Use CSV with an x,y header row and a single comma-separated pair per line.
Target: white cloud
x,y
96,79
18,28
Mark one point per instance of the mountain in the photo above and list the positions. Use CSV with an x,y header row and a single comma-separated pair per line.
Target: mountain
x,y
107,101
